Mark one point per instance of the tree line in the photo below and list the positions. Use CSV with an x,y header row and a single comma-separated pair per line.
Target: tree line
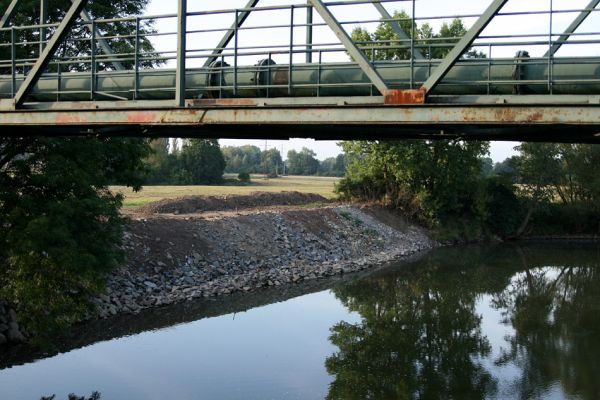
x,y
203,161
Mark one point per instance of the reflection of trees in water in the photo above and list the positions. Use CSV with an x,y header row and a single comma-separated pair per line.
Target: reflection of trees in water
x,y
555,312
420,336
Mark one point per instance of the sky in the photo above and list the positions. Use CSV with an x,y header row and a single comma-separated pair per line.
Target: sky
x,y
425,10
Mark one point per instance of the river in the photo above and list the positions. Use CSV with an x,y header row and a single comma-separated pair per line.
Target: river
x,y
477,322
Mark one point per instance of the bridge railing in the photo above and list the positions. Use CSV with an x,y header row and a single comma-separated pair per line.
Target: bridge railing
x,y
300,49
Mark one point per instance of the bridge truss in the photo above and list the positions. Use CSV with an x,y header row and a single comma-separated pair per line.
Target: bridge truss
x,y
293,69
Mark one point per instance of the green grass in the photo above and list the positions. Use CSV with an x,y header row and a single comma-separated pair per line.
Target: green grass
x,y
305,184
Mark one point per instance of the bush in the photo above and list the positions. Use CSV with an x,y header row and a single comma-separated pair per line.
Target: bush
x,y
244,177
61,223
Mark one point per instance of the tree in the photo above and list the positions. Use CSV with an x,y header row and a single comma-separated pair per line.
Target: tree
x,y
553,174
201,162
271,161
433,181
428,180
303,162
61,226
122,32
385,44
61,223
333,166
242,159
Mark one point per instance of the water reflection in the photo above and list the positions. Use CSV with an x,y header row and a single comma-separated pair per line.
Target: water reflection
x,y
420,334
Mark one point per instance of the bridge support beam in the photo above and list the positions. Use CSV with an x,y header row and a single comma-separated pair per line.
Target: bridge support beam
x,y
87,18
465,42
8,14
572,28
180,78
44,59
358,56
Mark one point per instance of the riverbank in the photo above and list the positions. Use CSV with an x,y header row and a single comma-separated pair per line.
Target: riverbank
x,y
177,253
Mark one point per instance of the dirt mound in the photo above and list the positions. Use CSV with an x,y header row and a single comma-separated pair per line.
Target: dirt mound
x,y
197,204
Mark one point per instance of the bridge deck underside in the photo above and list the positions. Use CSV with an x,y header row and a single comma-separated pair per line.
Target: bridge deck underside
x,y
337,119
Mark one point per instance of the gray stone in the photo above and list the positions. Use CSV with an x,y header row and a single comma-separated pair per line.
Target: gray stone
x,y
15,336
12,315
150,285
3,339
3,328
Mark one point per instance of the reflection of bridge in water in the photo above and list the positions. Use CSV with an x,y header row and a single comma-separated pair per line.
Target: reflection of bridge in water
x,y
293,70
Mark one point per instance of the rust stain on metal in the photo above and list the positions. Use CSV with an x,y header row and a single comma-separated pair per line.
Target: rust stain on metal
x,y
225,102
281,77
141,117
538,116
68,119
416,96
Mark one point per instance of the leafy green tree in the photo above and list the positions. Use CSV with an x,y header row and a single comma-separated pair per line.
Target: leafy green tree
x,y
554,174
433,181
61,223
333,166
385,44
122,32
61,226
242,159
201,162
428,180
271,161
303,162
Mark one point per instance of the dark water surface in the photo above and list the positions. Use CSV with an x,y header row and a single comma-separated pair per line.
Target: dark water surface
x,y
476,322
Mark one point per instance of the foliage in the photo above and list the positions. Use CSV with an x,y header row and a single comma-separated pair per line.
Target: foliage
x,y
242,159
385,44
252,160
244,177
431,181
333,166
303,162
122,32
61,224
504,210
428,180
555,178
72,396
272,164
199,161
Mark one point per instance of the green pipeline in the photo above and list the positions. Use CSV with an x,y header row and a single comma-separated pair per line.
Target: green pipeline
x,y
468,77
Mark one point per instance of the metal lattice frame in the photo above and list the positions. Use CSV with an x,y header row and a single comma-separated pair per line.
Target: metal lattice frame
x,y
490,112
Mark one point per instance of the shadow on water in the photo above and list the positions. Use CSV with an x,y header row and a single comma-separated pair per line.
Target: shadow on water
x,y
95,331
421,335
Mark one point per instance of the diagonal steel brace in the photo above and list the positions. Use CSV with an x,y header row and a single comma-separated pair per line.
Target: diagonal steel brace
x,y
242,16
86,17
45,58
464,43
358,56
8,14
572,28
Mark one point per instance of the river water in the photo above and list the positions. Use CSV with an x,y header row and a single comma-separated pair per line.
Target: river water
x,y
496,322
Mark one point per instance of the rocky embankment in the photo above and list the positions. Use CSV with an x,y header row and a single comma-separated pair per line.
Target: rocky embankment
x,y
9,328
179,256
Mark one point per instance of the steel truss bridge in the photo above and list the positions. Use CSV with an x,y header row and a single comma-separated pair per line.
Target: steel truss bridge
x,y
522,71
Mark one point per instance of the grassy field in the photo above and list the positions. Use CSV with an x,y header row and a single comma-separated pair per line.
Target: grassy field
x,y
305,184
